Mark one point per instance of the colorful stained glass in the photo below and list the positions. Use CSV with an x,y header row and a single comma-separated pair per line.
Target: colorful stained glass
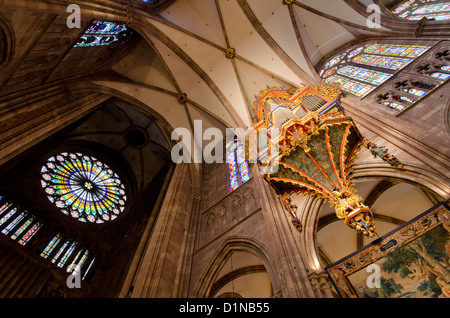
x,y
83,187
101,33
331,71
433,8
415,91
11,225
394,105
396,50
351,86
355,52
22,228
417,10
403,6
5,207
439,75
66,255
8,215
243,164
389,62
31,232
79,265
362,74
437,17
237,164
406,99
445,68
335,60
51,245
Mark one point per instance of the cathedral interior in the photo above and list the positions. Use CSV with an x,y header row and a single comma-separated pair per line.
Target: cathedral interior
x,y
94,95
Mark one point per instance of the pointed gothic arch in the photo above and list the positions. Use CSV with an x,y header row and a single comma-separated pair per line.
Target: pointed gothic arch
x,y
206,285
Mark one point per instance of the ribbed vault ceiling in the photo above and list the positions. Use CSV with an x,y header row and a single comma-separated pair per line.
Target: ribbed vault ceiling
x,y
184,51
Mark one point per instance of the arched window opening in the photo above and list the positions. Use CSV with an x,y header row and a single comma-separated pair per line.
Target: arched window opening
x,y
83,187
243,275
401,74
103,33
415,10
361,69
237,164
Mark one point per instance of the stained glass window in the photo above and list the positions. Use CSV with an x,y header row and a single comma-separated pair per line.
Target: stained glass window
x,y
22,228
66,255
335,60
88,269
351,86
237,164
419,9
389,62
31,232
394,105
102,33
51,246
83,187
396,50
415,91
11,225
363,74
355,52
22,224
440,75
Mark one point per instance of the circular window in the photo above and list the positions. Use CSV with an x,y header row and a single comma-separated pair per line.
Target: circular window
x,y
83,187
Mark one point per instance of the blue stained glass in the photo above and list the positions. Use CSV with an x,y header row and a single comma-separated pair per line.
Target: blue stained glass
x,y
101,27
101,33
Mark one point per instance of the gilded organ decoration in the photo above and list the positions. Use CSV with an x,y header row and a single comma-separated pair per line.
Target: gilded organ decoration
x,y
317,143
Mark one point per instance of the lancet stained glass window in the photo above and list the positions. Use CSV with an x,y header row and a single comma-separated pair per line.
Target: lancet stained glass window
x,y
83,187
360,70
237,164
102,33
418,9
373,77
19,224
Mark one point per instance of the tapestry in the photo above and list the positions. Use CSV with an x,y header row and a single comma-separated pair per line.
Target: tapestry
x,y
412,261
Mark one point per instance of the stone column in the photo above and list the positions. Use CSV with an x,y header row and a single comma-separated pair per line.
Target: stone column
x,y
158,271
321,284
